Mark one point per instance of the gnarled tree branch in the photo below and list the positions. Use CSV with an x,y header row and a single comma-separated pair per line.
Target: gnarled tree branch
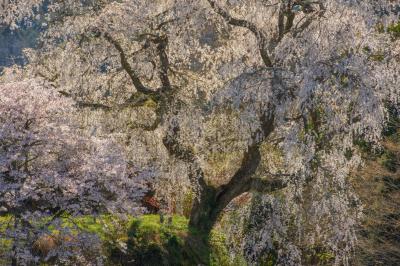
x,y
261,37
284,27
126,66
212,201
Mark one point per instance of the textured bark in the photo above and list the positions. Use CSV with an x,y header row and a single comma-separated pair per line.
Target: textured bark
x,y
212,201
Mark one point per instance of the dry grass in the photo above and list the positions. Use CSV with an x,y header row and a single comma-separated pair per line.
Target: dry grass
x,y
379,190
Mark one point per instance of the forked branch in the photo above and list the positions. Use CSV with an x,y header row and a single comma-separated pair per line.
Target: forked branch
x,y
126,66
261,37
286,18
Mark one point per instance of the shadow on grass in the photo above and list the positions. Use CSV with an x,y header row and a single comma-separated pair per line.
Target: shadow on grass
x,y
151,242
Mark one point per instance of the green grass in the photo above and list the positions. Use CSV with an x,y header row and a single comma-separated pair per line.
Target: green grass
x,y
5,244
100,225
4,222
151,224
173,242
394,29
148,240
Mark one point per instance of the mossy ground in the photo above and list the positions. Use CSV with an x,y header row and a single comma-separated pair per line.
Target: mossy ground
x,y
147,239
173,242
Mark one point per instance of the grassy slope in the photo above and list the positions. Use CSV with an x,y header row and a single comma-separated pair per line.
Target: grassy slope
x,y
145,239
378,186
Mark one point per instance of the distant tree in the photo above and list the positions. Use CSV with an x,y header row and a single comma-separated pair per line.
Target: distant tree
x,y
281,91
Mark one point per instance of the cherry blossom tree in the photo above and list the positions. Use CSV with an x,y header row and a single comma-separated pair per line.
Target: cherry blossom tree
x,y
49,167
278,92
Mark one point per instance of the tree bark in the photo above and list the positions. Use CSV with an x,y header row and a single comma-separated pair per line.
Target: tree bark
x,y
211,202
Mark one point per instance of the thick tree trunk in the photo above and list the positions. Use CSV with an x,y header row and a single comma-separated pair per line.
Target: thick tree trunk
x,y
212,201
